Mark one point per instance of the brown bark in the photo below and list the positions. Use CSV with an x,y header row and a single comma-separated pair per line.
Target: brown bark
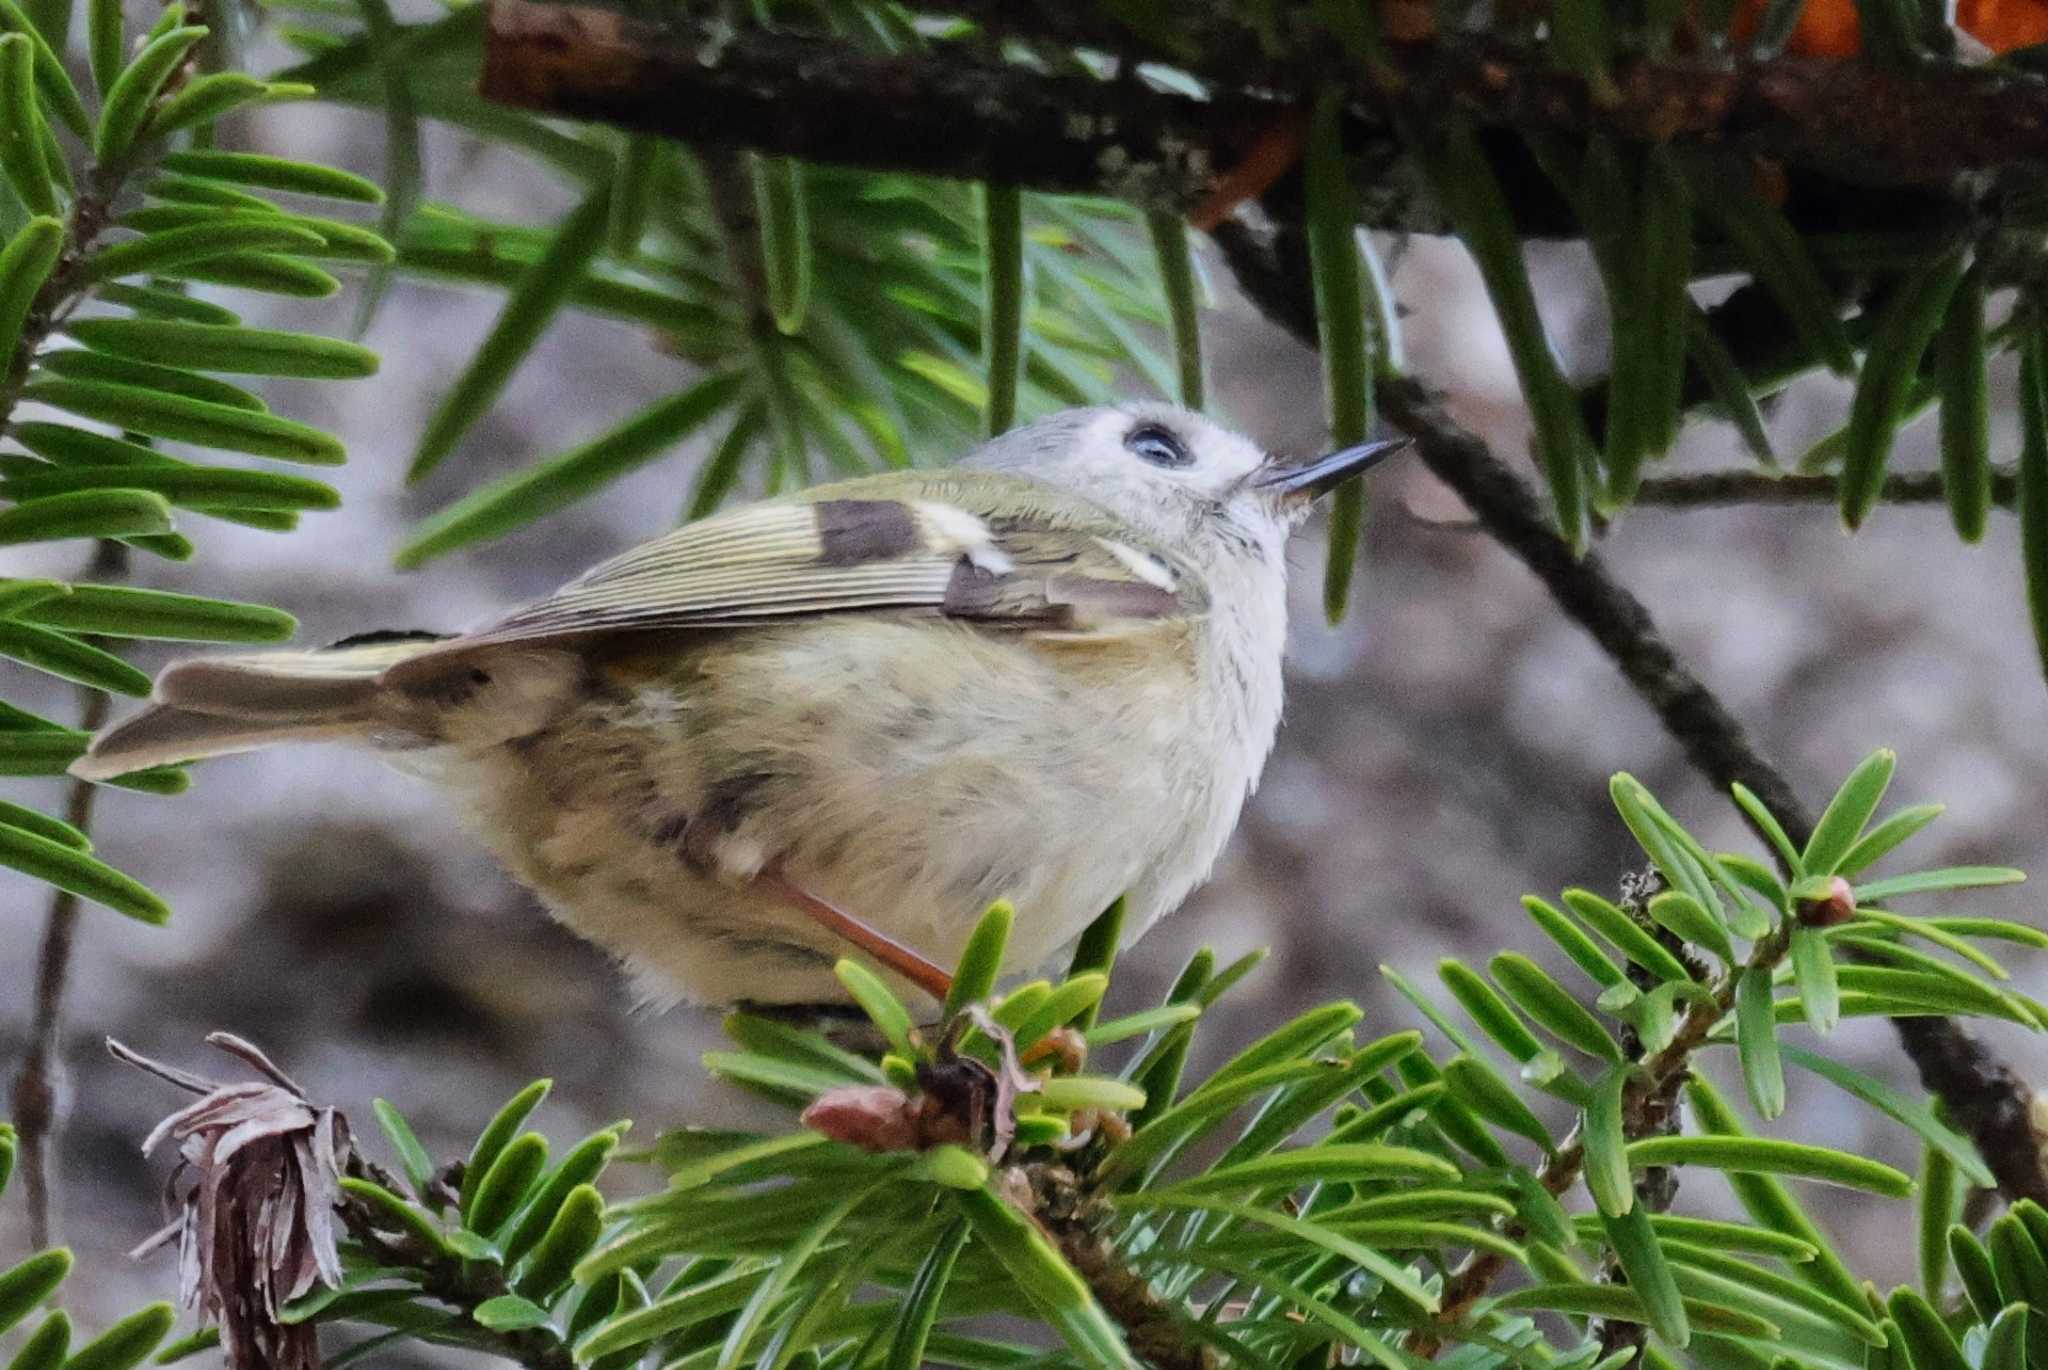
x,y
1865,146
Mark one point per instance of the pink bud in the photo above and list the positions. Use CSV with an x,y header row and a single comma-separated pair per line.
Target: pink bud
x,y
872,1117
1838,905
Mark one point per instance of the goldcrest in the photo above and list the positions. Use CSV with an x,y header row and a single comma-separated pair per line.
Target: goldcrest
x,y
852,716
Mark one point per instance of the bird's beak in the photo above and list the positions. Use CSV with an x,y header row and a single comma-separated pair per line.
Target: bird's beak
x,y
1310,480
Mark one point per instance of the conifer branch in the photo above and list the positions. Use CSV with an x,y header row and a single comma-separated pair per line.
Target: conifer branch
x,y
89,217
783,93
1939,138
1649,1107
464,1285
1063,1205
1711,489
1995,1104
37,1098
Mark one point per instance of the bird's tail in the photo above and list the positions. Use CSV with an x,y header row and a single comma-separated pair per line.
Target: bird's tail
x,y
212,706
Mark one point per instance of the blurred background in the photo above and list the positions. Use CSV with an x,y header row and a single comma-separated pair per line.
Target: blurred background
x,y
1446,748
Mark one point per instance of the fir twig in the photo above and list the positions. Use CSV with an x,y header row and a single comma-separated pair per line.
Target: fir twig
x,y
89,217
1649,1105
1061,1202
1708,489
1993,1102
38,1086
1925,129
464,1285
1654,1110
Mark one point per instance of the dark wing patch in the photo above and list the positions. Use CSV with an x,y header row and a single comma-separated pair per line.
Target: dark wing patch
x,y
856,530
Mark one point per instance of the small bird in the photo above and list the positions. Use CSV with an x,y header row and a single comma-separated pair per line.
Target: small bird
x,y
854,715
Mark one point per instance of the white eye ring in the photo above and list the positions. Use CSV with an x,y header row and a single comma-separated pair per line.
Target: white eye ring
x,y
1157,445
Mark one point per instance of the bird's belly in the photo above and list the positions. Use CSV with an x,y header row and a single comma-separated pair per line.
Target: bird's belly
x,y
911,798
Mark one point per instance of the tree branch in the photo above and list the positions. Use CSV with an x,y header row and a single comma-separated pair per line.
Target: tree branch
x,y
1927,125
1072,1214
37,1094
825,102
462,1285
1865,146
38,1087
1649,1107
1654,1110
1994,1103
37,1098
1710,488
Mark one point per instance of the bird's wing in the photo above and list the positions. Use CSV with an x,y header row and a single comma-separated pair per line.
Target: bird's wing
x,y
912,542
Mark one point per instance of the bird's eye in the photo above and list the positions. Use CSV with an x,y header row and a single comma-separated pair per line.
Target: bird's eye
x,y
1157,446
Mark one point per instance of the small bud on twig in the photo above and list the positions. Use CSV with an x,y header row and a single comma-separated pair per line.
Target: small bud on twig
x,y
1065,1048
960,1100
1835,904
871,1117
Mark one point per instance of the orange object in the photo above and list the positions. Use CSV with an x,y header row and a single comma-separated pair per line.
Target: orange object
x,y
1829,28
1826,28
1277,149
2003,25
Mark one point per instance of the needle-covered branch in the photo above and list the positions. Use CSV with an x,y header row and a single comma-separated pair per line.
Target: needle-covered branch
x,y
1708,489
138,364
1936,137
66,281
1925,125
1994,1104
824,102
1072,1215
464,1285
1648,1107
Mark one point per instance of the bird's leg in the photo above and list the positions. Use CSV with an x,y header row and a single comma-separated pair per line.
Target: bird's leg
x,y
885,949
